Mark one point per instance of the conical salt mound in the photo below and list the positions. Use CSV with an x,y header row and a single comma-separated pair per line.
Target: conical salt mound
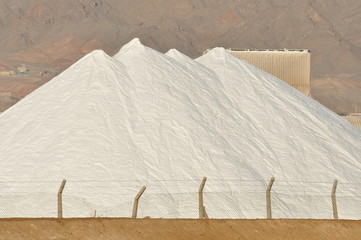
x,y
111,125
67,127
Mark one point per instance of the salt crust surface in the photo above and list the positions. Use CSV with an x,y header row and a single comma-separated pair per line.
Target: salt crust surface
x,y
147,118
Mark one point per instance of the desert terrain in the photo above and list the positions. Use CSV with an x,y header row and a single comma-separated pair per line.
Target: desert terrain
x,y
97,228
51,35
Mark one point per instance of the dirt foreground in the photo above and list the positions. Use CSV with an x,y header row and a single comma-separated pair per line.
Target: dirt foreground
x,y
155,229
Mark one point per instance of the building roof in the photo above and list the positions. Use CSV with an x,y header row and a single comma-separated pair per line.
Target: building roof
x,y
354,119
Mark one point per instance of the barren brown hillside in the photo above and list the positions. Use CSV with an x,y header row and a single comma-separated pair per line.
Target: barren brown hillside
x,y
53,34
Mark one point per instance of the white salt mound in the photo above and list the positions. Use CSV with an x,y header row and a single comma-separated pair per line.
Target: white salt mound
x,y
110,125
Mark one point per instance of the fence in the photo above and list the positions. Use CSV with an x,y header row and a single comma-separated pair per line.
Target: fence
x,y
169,199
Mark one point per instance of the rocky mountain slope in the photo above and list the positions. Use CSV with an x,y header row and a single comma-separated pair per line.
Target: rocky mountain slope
x,y
54,34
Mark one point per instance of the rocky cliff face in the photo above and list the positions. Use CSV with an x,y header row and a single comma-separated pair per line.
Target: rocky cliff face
x,y
54,34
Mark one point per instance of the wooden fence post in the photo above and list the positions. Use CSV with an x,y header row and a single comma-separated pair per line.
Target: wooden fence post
x,y
200,199
334,203
60,199
136,200
268,198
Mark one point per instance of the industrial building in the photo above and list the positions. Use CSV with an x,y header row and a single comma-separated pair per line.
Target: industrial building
x,y
354,119
291,66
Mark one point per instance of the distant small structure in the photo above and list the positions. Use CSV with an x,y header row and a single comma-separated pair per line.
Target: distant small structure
x,y
290,65
22,69
7,73
354,119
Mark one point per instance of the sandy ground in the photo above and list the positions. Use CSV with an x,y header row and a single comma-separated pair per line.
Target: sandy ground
x,y
152,229
18,87
21,86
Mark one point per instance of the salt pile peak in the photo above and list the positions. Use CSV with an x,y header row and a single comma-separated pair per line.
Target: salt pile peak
x,y
175,54
183,106
66,128
197,69
145,117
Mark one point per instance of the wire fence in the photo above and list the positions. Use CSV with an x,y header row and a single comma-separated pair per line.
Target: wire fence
x,y
221,199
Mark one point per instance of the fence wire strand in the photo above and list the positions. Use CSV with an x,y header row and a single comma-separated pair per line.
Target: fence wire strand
x,y
234,199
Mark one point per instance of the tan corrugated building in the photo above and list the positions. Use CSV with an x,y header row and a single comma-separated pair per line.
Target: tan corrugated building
x,y
291,66
354,119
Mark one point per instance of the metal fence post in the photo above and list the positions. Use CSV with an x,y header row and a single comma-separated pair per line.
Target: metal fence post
x,y
60,199
268,198
200,199
205,213
334,203
136,200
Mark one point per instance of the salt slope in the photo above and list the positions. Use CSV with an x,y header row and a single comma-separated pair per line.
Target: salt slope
x,y
187,122
72,127
305,141
75,127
